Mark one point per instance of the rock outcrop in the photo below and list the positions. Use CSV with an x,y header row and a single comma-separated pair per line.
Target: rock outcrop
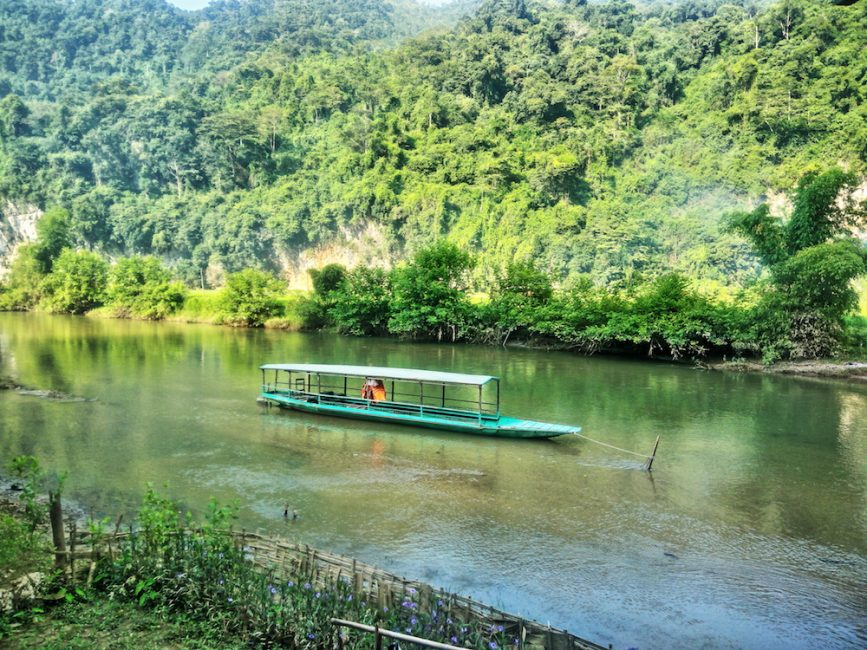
x,y
17,226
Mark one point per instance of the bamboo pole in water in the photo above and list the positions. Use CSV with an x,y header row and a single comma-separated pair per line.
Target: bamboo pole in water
x,y
653,455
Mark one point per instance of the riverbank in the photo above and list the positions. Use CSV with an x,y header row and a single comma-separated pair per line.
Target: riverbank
x,y
207,574
855,371
201,309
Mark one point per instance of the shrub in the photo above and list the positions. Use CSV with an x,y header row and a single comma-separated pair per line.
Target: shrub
x,y
250,298
76,283
361,305
140,286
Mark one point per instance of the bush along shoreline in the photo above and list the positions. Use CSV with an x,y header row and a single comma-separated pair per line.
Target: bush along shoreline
x,y
802,308
183,569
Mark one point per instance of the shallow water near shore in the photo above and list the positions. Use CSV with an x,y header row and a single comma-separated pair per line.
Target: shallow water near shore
x,y
750,532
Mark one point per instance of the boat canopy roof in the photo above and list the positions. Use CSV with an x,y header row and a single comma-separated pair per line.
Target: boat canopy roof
x,y
405,374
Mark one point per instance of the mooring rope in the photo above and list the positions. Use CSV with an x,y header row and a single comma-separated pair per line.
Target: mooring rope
x,y
605,444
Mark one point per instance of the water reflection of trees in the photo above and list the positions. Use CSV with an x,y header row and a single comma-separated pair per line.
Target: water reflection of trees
x,y
772,454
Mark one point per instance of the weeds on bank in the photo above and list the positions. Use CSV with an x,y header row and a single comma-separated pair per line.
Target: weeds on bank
x,y
182,570
199,571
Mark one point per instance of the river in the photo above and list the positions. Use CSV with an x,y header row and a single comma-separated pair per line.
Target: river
x,y
750,532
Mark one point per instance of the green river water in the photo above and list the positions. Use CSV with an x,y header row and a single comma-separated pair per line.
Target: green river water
x,y
750,532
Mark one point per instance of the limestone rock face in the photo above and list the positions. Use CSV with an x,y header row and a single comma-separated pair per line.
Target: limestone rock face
x,y
17,226
363,245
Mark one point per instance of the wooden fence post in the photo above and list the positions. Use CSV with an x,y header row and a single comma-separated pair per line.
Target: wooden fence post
x,y
58,536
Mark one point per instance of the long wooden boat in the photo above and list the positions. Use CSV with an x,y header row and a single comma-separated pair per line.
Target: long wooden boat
x,y
425,398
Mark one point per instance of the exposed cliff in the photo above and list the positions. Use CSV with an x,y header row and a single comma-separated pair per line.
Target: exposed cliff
x,y
17,226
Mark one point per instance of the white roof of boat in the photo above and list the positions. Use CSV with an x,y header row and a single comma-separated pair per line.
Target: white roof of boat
x,y
407,374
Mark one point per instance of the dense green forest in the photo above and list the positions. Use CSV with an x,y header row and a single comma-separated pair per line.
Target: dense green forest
x,y
605,142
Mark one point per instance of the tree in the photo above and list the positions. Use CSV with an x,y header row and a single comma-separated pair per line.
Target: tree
x,y
328,279
819,212
429,293
361,303
812,260
140,286
518,295
13,117
52,236
250,298
76,283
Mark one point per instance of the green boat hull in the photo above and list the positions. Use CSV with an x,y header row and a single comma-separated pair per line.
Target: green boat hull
x,y
427,417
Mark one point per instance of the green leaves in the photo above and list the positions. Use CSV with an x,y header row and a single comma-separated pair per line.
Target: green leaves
x,y
77,282
250,298
140,286
817,216
429,294
812,263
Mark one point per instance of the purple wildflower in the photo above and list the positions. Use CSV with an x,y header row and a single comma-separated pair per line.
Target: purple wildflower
x,y
413,620
454,640
307,585
310,635
493,645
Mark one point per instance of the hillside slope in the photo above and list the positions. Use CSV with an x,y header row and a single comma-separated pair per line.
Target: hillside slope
x,y
595,139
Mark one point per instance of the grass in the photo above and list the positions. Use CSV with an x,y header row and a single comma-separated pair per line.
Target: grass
x,y
101,623
203,306
200,306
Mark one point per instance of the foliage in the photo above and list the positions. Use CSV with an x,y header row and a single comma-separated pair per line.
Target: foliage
x,y
28,469
599,140
76,283
361,306
593,138
23,287
328,279
327,283
250,298
428,298
812,262
140,286
518,295
21,552
197,570
52,237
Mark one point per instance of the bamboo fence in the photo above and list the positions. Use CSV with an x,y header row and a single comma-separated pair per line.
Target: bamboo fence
x,y
283,557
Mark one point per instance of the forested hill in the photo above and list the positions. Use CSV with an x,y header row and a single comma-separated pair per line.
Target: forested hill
x,y
595,138
56,48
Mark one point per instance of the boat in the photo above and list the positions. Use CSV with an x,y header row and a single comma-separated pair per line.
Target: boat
x,y
424,398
